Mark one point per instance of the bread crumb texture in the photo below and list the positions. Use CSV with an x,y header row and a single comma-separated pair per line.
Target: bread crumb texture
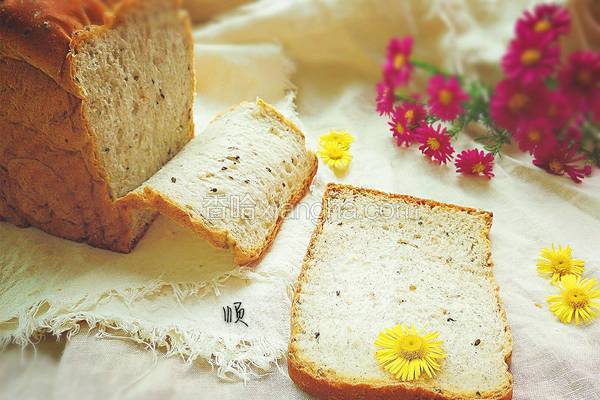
x,y
236,181
376,260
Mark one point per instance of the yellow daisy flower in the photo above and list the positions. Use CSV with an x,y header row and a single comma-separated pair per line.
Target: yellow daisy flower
x,y
407,353
556,263
341,137
578,298
335,156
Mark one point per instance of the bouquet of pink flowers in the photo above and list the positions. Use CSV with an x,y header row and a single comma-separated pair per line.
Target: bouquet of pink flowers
x,y
551,110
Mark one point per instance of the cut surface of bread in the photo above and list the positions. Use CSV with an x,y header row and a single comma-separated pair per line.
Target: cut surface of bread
x,y
137,86
376,260
97,95
234,183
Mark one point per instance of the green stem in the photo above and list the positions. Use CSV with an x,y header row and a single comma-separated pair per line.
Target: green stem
x,y
430,68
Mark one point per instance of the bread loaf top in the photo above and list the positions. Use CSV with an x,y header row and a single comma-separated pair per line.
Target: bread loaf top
x,y
45,32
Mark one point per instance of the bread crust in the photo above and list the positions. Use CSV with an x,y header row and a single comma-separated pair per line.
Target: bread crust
x,y
329,385
50,171
41,32
220,238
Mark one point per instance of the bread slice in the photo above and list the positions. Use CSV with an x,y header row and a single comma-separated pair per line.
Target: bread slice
x,y
376,260
235,182
96,97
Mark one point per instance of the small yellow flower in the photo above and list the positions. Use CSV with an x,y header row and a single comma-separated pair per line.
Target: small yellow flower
x,y
335,156
341,137
406,353
556,263
578,298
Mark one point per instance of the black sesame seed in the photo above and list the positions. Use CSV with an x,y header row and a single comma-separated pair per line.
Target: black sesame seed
x,y
214,190
173,179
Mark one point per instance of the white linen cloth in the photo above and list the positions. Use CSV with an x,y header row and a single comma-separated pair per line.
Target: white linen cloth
x,y
336,46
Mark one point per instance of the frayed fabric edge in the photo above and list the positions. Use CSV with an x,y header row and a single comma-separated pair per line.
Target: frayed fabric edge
x,y
233,360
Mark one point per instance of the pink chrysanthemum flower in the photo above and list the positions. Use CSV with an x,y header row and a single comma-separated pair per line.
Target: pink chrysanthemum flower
x,y
405,119
545,19
475,162
446,97
385,98
533,133
513,102
580,79
558,109
435,143
573,136
397,68
563,160
530,58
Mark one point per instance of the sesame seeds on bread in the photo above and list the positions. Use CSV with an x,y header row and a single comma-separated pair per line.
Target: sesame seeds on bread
x,y
378,259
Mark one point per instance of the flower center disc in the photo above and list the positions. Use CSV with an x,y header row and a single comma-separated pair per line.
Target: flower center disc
x,y
517,101
577,298
584,77
445,96
542,25
562,267
399,128
409,115
399,61
335,152
433,143
555,166
530,56
411,347
478,168
534,135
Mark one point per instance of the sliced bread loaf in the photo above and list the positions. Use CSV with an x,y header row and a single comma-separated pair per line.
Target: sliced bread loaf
x,y
96,97
234,183
376,260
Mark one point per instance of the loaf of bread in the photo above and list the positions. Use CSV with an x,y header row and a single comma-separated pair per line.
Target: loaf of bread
x,y
96,97
376,260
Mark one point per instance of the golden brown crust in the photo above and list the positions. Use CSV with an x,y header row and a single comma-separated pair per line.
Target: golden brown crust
x,y
328,385
42,32
50,173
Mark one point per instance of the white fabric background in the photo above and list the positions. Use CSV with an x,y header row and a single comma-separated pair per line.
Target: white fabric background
x,y
336,47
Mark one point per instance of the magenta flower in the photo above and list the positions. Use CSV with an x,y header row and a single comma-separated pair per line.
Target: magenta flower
x,y
580,79
435,143
475,162
399,128
530,58
405,119
563,160
385,98
558,108
397,68
446,97
545,19
511,102
533,133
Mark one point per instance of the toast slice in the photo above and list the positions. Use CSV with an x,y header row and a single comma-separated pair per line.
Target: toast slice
x,y
235,182
376,260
